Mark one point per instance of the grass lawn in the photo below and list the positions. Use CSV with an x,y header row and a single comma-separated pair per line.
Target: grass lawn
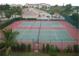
x,y
28,54
42,54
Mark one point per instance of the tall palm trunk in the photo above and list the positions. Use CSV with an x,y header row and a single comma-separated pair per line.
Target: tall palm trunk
x,y
8,50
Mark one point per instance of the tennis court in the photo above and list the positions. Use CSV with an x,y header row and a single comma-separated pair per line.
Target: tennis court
x,y
45,31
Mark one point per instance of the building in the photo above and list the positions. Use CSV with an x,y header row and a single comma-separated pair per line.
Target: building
x,y
57,16
35,13
41,5
16,5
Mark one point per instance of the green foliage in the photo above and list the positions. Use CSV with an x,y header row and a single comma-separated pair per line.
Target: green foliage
x,y
67,10
47,48
68,50
51,50
31,18
19,47
10,11
29,48
4,7
2,45
43,48
9,40
8,22
56,9
76,48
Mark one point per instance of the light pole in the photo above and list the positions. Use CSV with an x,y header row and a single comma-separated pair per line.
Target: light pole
x,y
77,8
38,36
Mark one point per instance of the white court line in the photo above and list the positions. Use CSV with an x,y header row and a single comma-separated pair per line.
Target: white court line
x,y
55,35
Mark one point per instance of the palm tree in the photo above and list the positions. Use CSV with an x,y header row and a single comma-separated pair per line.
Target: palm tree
x,y
9,40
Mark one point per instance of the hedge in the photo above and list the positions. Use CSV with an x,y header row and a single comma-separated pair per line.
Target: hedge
x,y
8,22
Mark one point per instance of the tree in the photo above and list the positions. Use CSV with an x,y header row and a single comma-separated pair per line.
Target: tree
x,y
8,13
67,10
76,48
56,9
50,10
19,11
9,40
47,48
43,48
5,9
16,11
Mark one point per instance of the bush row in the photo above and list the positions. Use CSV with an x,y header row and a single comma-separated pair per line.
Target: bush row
x,y
52,50
8,22
21,47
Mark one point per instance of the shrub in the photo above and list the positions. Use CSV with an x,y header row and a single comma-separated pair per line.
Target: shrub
x,y
29,48
76,48
2,49
53,50
43,48
8,22
31,18
18,47
47,48
68,50
2,45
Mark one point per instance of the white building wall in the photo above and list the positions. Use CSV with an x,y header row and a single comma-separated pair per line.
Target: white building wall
x,y
35,13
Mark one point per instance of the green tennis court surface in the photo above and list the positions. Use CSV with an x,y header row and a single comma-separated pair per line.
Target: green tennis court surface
x,y
55,36
51,24
43,24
